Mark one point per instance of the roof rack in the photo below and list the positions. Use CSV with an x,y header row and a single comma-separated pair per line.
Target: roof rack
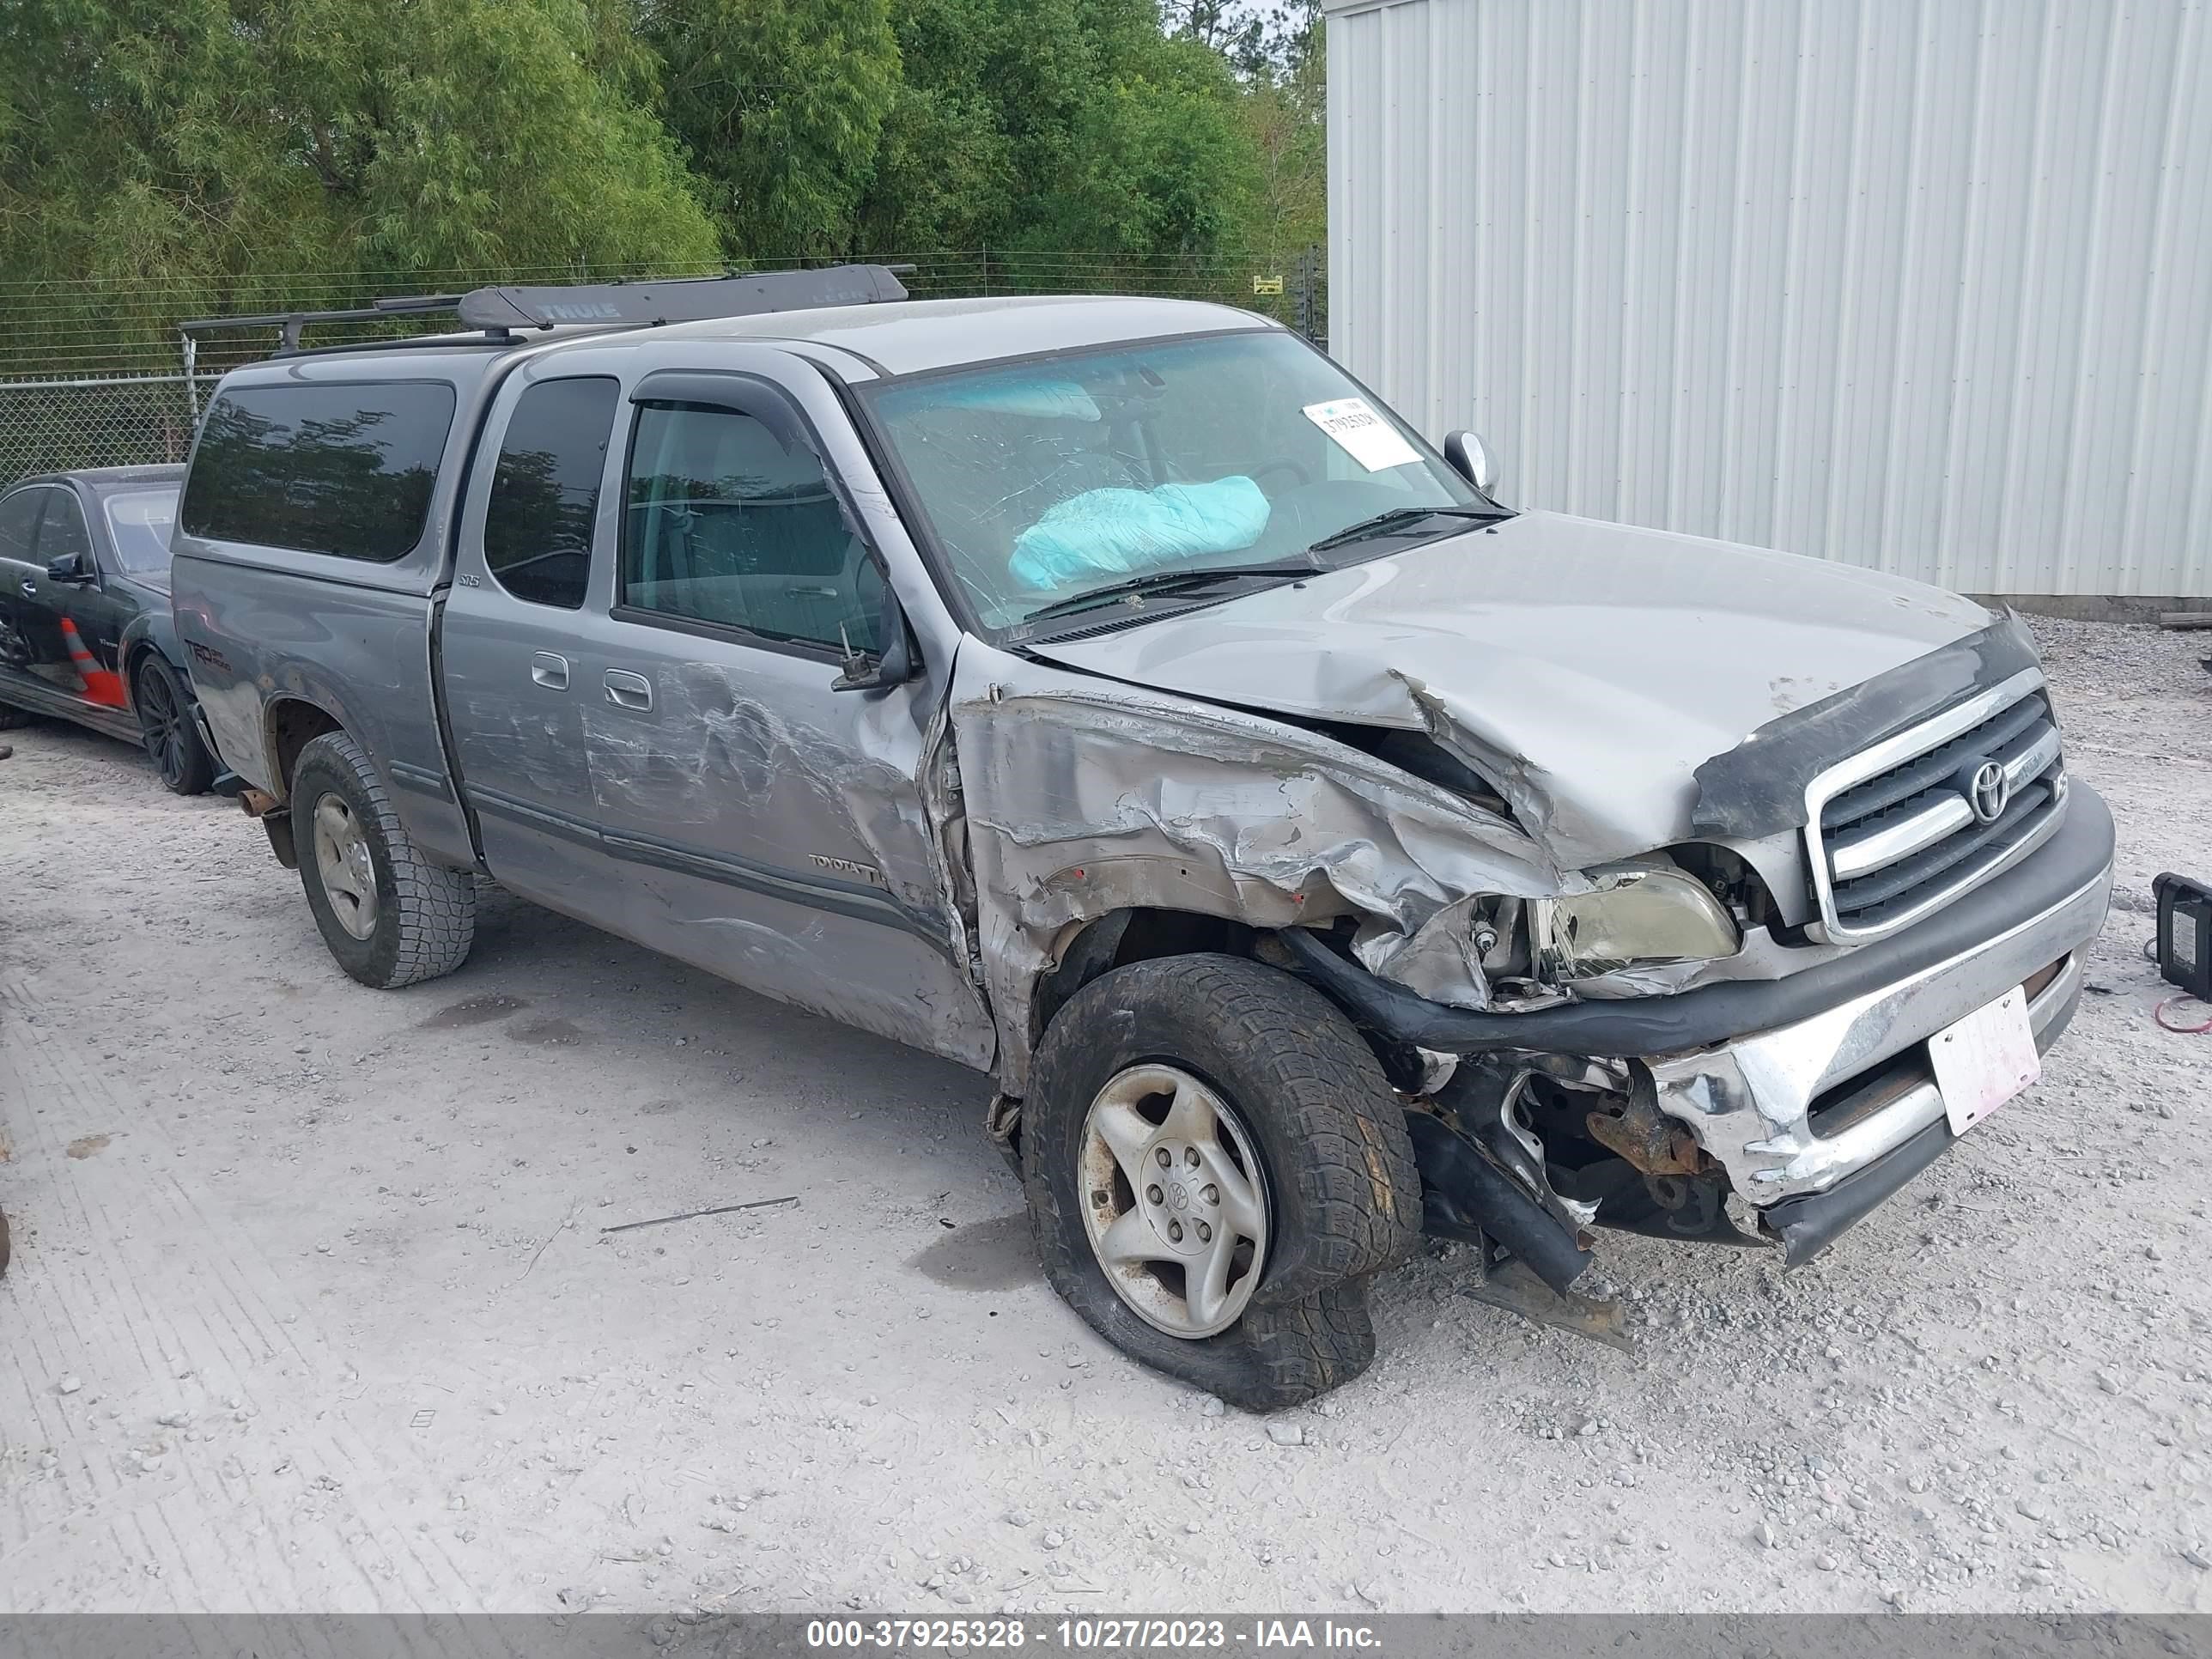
x,y
499,310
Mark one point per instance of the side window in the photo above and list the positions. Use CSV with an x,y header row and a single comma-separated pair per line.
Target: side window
x,y
19,523
63,535
346,469
725,524
545,494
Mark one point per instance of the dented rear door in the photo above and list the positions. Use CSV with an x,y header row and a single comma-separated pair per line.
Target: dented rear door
x,y
532,531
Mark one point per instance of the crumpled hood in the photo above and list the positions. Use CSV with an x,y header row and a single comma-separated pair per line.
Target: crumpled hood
x,y
1587,668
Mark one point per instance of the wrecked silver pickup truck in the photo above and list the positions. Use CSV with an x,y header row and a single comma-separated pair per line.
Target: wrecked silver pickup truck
x,y
1113,696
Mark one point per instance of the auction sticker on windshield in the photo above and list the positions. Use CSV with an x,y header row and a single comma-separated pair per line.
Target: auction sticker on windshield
x,y
1984,1059
1362,434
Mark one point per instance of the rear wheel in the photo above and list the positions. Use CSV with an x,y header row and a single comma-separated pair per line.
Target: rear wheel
x,y
1215,1164
165,724
388,915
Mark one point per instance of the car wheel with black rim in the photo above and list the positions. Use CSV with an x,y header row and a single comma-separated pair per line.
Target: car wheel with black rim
x,y
1215,1164
167,727
388,915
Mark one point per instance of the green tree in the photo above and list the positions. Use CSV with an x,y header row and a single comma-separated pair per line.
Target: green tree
x,y
1156,166
227,146
159,157
1285,114
1034,126
780,103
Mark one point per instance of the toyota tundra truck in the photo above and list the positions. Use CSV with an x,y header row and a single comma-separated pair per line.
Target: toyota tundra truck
x,y
1114,696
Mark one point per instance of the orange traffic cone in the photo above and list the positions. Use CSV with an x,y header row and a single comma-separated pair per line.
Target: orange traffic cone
x,y
101,686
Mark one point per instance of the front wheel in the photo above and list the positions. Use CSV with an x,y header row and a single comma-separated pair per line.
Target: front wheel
x,y
165,726
388,915
1215,1164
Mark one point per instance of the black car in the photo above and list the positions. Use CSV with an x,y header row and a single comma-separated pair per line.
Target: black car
x,y
85,631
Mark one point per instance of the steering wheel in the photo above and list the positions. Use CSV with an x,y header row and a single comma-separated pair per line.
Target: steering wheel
x,y
1293,468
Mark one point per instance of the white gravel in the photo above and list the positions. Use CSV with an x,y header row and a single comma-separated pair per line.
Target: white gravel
x,y
310,1309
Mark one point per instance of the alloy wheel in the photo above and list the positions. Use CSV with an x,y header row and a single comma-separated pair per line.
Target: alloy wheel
x,y
343,862
163,724
1174,1205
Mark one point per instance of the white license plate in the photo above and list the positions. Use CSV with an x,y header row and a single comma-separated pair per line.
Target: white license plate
x,y
1984,1059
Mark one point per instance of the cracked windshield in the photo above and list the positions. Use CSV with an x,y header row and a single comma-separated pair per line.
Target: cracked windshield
x,y
1057,487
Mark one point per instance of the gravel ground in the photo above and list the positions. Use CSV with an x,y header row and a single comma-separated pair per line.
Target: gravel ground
x,y
312,1309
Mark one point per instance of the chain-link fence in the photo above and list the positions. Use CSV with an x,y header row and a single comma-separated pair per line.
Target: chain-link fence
x,y
99,377
47,426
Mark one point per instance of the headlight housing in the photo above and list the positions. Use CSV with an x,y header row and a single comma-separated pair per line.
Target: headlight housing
x,y
1636,914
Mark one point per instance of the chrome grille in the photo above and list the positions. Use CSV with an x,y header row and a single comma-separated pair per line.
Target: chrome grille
x,y
1918,819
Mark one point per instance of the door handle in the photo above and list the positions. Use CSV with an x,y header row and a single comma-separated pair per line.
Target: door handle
x,y
549,671
30,589
628,690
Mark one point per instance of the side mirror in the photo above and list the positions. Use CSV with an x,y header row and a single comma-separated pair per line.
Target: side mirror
x,y
878,671
1469,457
69,568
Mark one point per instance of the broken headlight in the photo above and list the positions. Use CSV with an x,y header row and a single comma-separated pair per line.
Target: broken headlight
x,y
1633,915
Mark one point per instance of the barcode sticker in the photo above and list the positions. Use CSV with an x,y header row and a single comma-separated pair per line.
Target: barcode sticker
x,y
1361,433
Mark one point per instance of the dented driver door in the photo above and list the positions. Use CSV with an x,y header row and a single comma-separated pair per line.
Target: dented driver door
x,y
758,822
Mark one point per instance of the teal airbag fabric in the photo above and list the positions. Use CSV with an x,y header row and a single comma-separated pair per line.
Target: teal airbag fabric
x,y
1120,532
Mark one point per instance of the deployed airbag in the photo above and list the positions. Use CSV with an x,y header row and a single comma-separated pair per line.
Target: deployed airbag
x,y
1119,531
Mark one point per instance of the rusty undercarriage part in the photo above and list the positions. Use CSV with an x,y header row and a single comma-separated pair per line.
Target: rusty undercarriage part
x,y
1637,1130
276,823
1606,1155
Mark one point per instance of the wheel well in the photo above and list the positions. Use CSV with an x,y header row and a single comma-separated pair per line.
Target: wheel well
x,y
133,662
293,725
1121,937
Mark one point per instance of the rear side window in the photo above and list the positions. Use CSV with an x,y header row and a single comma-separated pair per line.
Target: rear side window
x,y
545,495
138,523
345,470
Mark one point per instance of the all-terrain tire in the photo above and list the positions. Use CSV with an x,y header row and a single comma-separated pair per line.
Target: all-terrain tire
x,y
426,914
1330,1138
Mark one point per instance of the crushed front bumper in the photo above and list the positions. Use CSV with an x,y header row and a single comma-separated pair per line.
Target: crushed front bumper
x,y
1816,1123
1813,1093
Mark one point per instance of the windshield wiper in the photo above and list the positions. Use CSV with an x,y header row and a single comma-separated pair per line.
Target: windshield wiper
x,y
1164,581
1401,517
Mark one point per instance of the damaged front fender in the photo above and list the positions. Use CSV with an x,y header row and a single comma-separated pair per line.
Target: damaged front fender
x,y
1083,798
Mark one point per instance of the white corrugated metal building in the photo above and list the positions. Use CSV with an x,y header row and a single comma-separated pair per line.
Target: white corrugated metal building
x,y
1920,284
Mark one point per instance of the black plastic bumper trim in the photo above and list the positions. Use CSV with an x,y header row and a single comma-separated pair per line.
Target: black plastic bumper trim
x,y
1809,1225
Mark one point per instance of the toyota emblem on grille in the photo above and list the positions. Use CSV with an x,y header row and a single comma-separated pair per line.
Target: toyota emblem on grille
x,y
1989,792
